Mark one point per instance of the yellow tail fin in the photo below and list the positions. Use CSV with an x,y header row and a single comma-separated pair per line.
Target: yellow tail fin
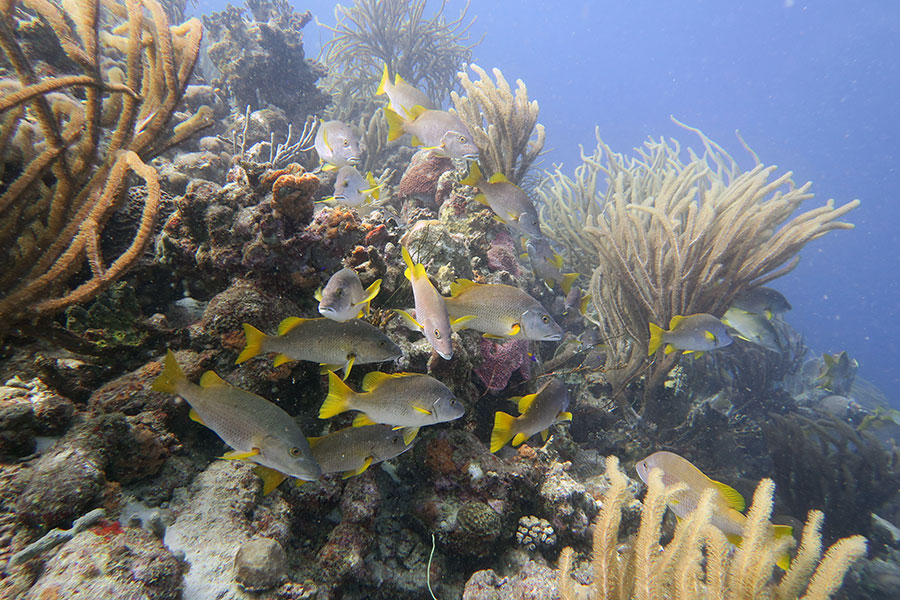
x,y
395,124
474,175
656,340
502,433
567,281
339,394
171,374
255,339
384,79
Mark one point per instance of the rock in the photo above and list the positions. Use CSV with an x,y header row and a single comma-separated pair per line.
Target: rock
x,y
260,564
16,425
532,582
111,562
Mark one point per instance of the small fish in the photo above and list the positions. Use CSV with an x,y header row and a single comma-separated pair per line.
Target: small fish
x,y
331,343
343,297
436,130
576,299
511,205
763,301
336,144
837,372
693,333
401,95
352,450
728,504
500,311
537,412
352,189
431,311
408,400
753,328
255,428
547,264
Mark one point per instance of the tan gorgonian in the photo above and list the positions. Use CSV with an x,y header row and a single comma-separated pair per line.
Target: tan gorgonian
x,y
699,563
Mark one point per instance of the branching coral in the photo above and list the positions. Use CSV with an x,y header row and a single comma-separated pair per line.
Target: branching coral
x,y
697,563
64,176
372,33
504,124
667,236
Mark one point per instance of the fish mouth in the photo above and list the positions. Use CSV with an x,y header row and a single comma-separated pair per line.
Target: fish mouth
x,y
340,198
470,156
445,355
353,160
553,337
326,311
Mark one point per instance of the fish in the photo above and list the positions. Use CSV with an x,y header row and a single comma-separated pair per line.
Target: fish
x,y
408,400
547,264
500,311
343,297
728,504
763,301
837,372
436,130
578,300
402,96
352,189
256,429
510,204
352,450
693,333
431,310
331,343
752,327
337,145
537,412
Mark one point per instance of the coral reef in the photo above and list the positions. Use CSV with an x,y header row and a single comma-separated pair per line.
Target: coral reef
x,y
66,161
504,126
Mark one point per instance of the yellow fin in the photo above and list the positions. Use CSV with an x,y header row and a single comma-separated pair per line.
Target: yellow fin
x,y
210,379
514,330
395,125
363,420
474,176
170,376
366,464
731,496
734,539
270,477
784,562
236,455
325,137
519,439
556,261
567,281
329,167
498,177
416,111
782,531
410,265
417,142
460,323
710,336
255,340
482,199
371,292
564,416
337,401
408,320
544,435
375,378
318,294
768,314
525,402
280,359
195,417
289,324
314,441
349,365
583,304
421,410
656,333
461,285
502,432
384,80
375,187
670,349
409,434
491,336
674,321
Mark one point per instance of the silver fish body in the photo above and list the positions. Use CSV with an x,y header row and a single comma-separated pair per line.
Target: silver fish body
x,y
353,449
343,297
763,301
502,311
436,130
351,188
337,144
401,95
753,328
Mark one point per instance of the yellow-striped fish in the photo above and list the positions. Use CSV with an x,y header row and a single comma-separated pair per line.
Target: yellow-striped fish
x,y
401,95
537,412
436,130
331,343
337,144
256,429
343,297
728,504
352,450
510,204
500,311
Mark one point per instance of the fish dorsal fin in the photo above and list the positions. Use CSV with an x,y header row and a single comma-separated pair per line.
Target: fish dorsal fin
x,y
210,379
461,285
556,261
731,496
498,178
314,441
289,323
673,323
398,79
318,294
525,402
375,378
416,111
385,79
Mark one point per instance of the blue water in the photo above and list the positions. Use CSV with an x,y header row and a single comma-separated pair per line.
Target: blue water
x,y
813,87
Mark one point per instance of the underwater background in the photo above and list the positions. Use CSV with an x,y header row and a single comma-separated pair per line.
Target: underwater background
x,y
413,393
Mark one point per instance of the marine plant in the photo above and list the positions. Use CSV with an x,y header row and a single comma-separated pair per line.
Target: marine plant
x,y
70,141
697,563
661,234
426,52
504,125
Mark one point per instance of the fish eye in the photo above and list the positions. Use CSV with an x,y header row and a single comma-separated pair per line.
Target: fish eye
x,y
295,452
462,139
381,344
437,333
339,292
346,143
545,319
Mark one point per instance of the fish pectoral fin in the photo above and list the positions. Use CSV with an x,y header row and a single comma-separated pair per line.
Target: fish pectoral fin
x,y
408,320
318,294
460,323
371,292
351,358
329,167
363,420
409,434
239,455
481,199
710,336
734,539
366,464
731,496
545,434
270,477
492,336
461,285
421,410
514,330
195,417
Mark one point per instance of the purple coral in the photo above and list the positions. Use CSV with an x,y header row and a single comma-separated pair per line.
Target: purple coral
x,y
500,361
501,255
